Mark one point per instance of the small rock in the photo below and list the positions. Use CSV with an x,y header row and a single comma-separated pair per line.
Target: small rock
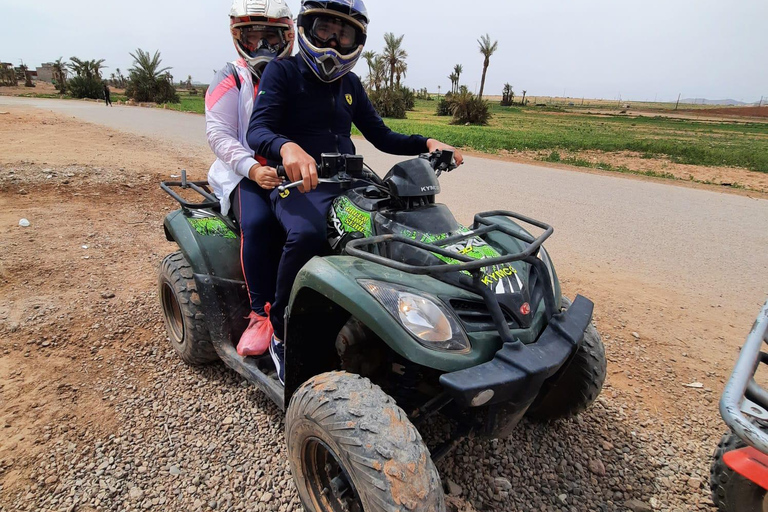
x,y
135,494
107,295
266,497
636,335
694,483
597,467
454,489
563,498
638,506
502,484
228,420
174,471
24,223
45,344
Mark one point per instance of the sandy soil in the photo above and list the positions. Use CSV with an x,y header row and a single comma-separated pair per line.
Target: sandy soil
x,y
78,289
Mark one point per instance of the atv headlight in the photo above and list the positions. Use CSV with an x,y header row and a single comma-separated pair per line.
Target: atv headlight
x,y
423,315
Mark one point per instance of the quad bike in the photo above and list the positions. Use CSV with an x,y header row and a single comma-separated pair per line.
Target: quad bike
x,y
739,472
410,314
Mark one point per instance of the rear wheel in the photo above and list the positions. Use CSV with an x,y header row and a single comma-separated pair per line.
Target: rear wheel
x,y
581,383
731,492
184,321
352,449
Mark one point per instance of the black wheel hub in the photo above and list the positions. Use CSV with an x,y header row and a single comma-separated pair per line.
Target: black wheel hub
x,y
172,311
328,481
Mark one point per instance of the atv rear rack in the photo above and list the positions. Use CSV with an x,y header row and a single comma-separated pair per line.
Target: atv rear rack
x,y
482,226
744,399
201,187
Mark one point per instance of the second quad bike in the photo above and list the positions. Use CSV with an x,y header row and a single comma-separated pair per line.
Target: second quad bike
x,y
409,315
739,472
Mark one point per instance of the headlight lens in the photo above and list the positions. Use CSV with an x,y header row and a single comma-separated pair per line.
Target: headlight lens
x,y
424,316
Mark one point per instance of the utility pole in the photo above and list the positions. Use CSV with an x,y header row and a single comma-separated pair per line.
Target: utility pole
x,y
678,100
761,101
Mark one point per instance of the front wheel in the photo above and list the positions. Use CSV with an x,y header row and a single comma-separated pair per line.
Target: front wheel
x,y
351,448
581,383
731,492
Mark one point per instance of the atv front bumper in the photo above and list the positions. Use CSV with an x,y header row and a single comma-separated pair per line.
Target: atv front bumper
x,y
517,373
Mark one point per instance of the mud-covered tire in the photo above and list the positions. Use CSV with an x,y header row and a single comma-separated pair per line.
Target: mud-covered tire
x,y
732,492
184,320
372,440
581,383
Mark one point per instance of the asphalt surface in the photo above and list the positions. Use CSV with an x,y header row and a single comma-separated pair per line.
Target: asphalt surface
x,y
697,241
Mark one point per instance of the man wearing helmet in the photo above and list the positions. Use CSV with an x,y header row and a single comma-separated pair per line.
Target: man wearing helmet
x,y
306,107
262,30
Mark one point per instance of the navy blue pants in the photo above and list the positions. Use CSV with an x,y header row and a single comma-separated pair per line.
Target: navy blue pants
x,y
303,217
261,242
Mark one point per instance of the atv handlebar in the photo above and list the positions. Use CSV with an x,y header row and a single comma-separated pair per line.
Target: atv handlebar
x,y
344,169
743,397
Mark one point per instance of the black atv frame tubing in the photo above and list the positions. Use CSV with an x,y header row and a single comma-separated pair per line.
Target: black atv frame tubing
x,y
201,187
742,386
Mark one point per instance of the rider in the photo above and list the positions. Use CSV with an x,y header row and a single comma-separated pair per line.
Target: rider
x,y
306,107
262,31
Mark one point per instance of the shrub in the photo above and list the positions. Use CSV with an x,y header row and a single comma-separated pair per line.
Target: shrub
x,y
444,107
148,82
85,87
389,103
409,97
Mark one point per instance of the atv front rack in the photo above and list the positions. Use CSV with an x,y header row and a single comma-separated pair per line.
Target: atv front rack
x,y
744,400
482,226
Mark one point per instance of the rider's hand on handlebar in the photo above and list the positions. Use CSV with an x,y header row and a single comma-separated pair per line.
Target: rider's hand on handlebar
x,y
299,166
434,145
265,177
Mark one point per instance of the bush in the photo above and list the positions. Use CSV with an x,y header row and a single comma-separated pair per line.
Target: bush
x,y
409,97
465,108
86,87
389,103
144,88
444,107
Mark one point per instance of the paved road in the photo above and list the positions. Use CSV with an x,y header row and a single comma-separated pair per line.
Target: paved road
x,y
697,241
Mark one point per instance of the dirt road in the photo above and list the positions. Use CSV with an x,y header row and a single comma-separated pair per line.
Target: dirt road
x,y
677,275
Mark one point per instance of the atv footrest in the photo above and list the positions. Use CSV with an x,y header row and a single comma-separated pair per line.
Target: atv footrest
x,y
518,371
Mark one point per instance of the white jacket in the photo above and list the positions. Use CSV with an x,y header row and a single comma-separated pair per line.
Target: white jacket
x,y
228,111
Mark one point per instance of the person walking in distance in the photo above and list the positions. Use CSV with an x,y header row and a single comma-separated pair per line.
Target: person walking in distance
x,y
107,101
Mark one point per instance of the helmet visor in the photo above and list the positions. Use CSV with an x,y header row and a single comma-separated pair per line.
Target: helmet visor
x,y
256,38
336,33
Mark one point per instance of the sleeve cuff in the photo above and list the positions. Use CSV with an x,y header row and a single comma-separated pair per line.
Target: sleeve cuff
x,y
277,145
244,166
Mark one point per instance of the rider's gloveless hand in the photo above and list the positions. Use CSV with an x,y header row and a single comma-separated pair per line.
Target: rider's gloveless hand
x,y
434,145
265,177
299,166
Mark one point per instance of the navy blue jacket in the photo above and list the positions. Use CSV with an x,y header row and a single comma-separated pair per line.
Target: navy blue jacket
x,y
293,105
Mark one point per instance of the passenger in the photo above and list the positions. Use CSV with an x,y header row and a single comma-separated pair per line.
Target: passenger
x,y
262,31
306,107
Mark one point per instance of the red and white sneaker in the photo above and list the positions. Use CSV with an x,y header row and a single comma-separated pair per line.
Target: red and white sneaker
x,y
256,338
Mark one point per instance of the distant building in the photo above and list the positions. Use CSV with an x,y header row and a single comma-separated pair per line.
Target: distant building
x,y
45,72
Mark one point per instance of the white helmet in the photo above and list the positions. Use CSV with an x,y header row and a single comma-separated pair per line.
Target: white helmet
x,y
262,30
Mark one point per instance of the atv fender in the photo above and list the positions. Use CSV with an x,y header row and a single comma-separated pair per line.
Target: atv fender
x,y
326,293
213,252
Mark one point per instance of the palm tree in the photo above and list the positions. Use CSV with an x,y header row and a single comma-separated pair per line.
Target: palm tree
x,y
148,66
394,54
458,69
507,95
487,49
86,68
60,74
400,70
380,72
370,59
454,82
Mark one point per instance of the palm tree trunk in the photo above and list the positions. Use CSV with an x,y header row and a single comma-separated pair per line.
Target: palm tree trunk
x,y
482,82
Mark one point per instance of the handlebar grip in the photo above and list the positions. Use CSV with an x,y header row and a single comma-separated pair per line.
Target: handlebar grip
x,y
281,173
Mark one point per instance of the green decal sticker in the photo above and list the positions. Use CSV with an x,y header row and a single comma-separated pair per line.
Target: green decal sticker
x,y
212,226
352,218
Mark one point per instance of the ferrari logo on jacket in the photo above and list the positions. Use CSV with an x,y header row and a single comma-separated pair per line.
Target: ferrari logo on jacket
x,y
349,98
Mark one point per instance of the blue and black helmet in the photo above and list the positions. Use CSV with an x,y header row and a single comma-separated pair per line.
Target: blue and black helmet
x,y
331,36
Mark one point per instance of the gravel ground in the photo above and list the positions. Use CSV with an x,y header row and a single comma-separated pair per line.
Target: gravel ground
x,y
203,439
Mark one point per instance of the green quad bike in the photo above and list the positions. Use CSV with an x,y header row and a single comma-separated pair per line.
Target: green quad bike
x,y
410,315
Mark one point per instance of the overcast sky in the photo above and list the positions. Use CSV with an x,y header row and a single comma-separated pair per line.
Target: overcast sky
x,y
639,49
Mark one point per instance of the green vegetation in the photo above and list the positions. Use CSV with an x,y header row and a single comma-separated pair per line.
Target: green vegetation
x,y
529,128
147,81
189,103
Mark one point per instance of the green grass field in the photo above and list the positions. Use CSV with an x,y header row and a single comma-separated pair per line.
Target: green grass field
x,y
519,129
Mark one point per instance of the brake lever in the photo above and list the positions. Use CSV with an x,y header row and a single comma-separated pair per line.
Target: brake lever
x,y
295,184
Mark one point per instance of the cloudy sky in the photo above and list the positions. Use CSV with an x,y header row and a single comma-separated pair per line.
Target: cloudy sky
x,y
638,49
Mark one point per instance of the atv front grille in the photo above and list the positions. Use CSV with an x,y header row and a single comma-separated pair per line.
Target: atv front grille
x,y
476,317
